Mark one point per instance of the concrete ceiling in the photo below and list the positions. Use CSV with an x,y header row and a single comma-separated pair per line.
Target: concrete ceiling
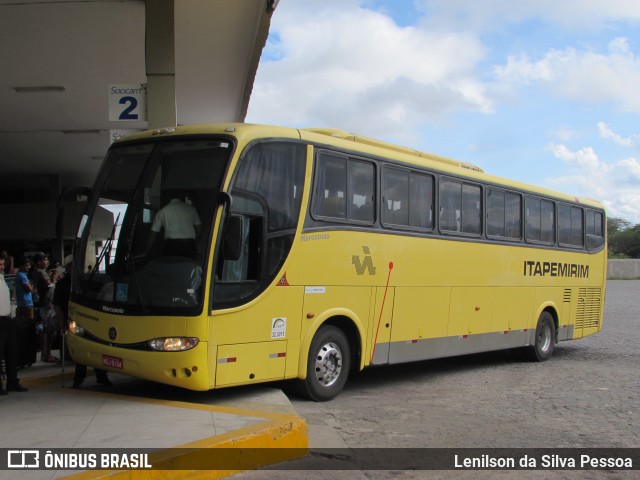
x,y
79,48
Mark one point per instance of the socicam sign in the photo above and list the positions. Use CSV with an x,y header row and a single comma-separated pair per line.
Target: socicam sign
x,y
128,103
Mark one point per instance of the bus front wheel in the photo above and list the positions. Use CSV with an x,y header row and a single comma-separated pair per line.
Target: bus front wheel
x,y
327,365
545,340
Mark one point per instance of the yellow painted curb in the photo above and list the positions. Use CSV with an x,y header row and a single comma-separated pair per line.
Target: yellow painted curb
x,y
47,379
270,442
279,438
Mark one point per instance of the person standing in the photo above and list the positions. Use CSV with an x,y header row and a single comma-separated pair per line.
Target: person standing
x,y
61,297
24,289
44,285
9,270
25,319
8,349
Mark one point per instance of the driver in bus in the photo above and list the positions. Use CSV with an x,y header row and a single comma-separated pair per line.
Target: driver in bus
x,y
181,224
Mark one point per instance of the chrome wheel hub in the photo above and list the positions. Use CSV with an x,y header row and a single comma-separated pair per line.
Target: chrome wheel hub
x,y
328,364
544,339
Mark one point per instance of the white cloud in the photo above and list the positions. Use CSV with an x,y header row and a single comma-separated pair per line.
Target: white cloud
x,y
584,158
584,75
608,134
492,15
564,133
616,184
336,64
356,69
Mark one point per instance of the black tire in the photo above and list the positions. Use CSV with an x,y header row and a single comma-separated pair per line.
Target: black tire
x,y
328,364
545,340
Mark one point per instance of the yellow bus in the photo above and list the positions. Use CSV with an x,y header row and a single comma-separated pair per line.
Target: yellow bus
x,y
220,255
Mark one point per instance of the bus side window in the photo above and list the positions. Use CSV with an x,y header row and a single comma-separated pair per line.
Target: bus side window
x,y
504,217
421,201
345,188
450,205
395,197
471,209
460,207
241,261
361,191
332,186
595,230
570,226
540,220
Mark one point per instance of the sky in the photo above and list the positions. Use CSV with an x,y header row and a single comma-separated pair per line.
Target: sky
x,y
541,91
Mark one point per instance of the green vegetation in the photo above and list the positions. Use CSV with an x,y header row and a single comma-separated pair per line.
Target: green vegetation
x,y
624,238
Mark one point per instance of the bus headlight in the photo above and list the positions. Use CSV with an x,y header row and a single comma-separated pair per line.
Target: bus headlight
x,y
173,344
75,329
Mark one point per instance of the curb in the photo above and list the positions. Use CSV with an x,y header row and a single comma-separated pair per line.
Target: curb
x,y
279,438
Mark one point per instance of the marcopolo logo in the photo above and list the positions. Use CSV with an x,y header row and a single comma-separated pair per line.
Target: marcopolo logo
x,y
365,265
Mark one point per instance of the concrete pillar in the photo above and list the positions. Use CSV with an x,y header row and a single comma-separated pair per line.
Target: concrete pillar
x,y
161,64
57,247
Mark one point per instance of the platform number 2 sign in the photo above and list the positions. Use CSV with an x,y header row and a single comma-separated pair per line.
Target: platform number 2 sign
x,y
128,103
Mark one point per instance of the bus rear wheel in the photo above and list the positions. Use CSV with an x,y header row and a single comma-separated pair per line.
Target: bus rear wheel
x,y
545,340
328,364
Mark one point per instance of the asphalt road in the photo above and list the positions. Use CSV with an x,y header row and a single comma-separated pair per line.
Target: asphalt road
x,y
586,396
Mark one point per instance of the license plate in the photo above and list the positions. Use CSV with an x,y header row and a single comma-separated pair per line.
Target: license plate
x,y
113,362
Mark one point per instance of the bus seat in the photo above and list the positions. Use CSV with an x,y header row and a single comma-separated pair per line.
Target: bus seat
x,y
333,207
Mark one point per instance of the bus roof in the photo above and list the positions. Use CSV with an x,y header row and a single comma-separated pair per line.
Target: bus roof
x,y
390,146
354,142
436,162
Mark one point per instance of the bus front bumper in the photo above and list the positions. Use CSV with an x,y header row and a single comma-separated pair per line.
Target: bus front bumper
x,y
187,369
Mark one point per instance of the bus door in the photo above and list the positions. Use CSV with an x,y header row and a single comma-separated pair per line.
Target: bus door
x,y
256,323
258,342
254,339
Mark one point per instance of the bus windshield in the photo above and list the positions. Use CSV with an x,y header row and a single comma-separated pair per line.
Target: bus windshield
x,y
143,243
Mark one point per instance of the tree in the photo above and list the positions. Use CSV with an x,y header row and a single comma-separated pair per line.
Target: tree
x,y
615,225
624,238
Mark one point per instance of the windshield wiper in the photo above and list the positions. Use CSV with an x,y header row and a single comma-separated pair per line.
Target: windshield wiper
x,y
106,249
132,270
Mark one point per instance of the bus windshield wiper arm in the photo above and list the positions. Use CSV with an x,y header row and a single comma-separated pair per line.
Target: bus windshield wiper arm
x,y
132,272
103,253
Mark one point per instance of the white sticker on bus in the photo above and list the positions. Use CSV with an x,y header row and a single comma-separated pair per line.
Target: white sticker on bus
x,y
315,290
279,327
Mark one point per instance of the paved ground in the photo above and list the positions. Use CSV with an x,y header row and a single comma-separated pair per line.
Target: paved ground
x,y
587,395
139,415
